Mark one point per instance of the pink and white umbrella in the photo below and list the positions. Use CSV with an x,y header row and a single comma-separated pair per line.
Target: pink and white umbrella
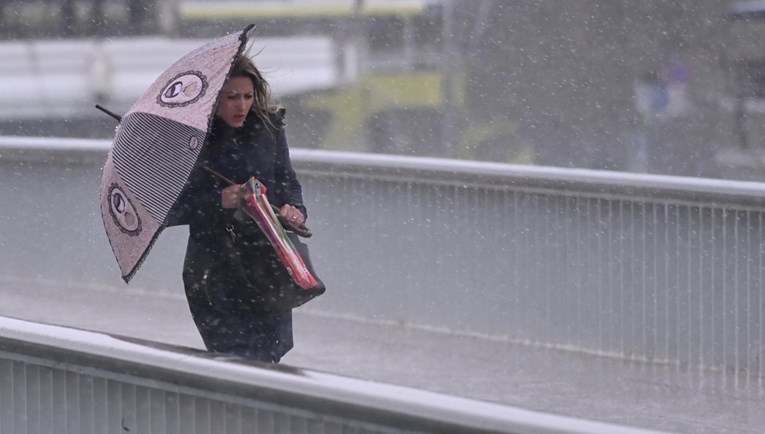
x,y
156,147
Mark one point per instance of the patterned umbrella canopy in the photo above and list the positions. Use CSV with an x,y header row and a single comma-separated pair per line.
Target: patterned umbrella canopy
x,y
156,146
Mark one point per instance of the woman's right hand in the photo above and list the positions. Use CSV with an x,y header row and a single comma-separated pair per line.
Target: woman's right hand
x,y
231,196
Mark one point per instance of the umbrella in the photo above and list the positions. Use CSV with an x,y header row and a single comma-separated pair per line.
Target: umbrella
x,y
262,212
156,147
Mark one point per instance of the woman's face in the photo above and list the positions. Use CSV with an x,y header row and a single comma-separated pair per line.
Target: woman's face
x,y
236,99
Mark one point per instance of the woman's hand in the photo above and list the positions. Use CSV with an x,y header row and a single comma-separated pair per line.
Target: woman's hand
x,y
292,215
231,196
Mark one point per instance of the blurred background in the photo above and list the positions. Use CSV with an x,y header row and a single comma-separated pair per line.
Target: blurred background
x,y
656,86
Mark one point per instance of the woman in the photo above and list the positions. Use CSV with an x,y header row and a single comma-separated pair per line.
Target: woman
x,y
231,274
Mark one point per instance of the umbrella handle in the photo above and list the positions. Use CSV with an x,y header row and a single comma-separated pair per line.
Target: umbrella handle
x,y
301,229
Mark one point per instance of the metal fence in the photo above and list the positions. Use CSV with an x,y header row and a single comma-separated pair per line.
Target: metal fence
x,y
59,380
58,79
645,267
655,268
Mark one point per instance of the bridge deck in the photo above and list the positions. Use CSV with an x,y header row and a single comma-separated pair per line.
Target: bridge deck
x,y
643,395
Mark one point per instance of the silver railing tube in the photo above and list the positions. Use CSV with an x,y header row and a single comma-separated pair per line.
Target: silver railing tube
x,y
67,381
636,266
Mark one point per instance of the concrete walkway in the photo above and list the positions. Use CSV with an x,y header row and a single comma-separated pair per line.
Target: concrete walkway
x,y
664,398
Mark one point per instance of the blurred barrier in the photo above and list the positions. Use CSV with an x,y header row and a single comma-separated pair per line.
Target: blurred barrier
x,y
655,268
52,78
61,380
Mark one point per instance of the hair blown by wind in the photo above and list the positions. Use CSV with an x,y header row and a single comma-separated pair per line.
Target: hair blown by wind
x,y
243,66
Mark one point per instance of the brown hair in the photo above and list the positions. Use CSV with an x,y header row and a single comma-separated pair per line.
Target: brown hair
x,y
243,66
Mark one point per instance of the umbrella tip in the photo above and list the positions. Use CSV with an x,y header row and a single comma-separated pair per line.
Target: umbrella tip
x,y
247,32
109,112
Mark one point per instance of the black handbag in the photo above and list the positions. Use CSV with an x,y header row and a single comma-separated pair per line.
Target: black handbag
x,y
266,282
301,295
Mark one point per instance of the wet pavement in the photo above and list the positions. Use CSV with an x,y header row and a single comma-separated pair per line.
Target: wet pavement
x,y
660,397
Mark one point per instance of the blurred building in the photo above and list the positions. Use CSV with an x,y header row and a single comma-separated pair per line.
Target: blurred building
x,y
664,86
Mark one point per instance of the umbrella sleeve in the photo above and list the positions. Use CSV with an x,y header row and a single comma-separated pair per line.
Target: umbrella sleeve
x,y
260,210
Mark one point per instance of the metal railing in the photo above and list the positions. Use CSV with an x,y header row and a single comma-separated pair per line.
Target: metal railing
x,y
59,380
65,78
656,268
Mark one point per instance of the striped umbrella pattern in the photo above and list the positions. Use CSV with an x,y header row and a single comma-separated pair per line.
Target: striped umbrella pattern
x,y
156,147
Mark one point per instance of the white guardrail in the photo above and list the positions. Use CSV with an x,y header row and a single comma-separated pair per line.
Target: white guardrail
x,y
63,380
50,78
638,267
643,267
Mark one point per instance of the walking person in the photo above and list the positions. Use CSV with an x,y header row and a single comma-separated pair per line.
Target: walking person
x,y
231,274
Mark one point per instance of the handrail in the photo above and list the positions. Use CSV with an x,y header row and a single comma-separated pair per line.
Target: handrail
x,y
594,261
468,173
111,357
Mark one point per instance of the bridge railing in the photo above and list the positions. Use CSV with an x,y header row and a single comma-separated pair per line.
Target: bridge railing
x,y
65,78
70,381
656,268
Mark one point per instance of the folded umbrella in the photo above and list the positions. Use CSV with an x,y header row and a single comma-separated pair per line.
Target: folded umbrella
x,y
258,207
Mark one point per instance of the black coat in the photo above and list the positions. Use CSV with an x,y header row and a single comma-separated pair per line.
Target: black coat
x,y
234,306
238,154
